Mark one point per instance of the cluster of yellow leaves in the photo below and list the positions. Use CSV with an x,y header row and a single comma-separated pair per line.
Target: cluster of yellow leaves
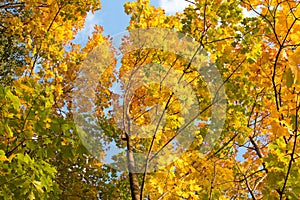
x,y
47,30
35,121
144,16
258,57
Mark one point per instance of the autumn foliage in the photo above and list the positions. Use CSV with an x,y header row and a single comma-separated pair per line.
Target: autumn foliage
x,y
47,151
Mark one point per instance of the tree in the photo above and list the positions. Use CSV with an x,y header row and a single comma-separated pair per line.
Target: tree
x,y
11,53
167,112
256,154
41,155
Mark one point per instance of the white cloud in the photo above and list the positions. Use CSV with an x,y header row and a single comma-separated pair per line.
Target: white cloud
x,y
90,21
250,13
173,6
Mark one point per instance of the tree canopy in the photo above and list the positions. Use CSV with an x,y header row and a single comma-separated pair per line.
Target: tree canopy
x,y
203,103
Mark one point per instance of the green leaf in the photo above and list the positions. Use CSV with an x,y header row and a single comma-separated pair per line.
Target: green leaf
x,y
14,99
2,152
8,130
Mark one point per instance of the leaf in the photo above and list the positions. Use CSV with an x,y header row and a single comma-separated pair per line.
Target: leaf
x,y
289,78
8,130
31,196
14,99
3,158
37,185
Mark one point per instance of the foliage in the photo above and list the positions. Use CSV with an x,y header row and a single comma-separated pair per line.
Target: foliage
x,y
41,155
255,157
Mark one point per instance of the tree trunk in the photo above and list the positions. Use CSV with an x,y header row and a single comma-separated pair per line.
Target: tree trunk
x,y
133,176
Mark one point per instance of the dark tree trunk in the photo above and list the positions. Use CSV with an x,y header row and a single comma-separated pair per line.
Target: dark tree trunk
x,y
133,176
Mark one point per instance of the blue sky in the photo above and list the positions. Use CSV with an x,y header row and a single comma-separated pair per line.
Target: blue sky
x,y
113,19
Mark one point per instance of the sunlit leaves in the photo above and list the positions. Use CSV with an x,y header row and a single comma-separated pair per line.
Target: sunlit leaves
x,y
258,57
257,54
41,155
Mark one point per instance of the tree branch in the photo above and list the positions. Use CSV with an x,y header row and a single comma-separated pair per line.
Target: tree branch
x,y
293,151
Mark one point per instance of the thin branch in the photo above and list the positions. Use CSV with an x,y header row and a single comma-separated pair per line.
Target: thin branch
x,y
250,190
13,179
36,56
192,2
152,143
212,183
12,5
275,65
247,183
293,151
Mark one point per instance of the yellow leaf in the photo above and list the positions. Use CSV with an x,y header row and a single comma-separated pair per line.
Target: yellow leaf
x,y
38,186
279,130
48,125
11,157
3,158
64,142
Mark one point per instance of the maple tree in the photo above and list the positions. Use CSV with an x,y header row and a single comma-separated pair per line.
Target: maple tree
x,y
45,154
41,156
256,154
